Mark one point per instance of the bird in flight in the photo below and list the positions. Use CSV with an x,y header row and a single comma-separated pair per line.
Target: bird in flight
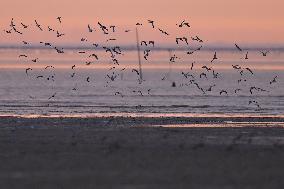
x,y
38,25
24,26
59,34
196,38
152,23
163,32
248,69
183,23
238,47
273,80
264,53
59,19
28,69
223,92
246,56
52,96
215,57
89,28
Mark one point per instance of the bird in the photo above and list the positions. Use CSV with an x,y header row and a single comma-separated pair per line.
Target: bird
x,y
215,75
246,56
59,51
59,34
38,25
223,91
237,90
192,64
215,57
254,102
257,89
196,38
183,23
88,79
103,28
163,32
238,47
23,55
204,75
207,69
8,31
113,28
15,30
28,69
95,44
49,28
186,75
178,39
94,55
143,42
237,67
249,70
118,93
48,67
52,96
210,87
140,92
152,23
59,19
264,53
35,60
152,43
136,71
73,74
273,80
73,67
83,39
90,29
173,58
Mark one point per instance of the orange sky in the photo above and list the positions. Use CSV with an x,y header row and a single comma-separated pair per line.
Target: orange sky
x,y
216,21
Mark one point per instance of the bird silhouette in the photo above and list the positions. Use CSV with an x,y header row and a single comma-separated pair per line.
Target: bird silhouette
x,y
273,80
59,19
214,57
90,29
196,38
52,96
223,92
183,23
28,69
238,47
38,25
264,53
113,28
163,32
246,56
152,23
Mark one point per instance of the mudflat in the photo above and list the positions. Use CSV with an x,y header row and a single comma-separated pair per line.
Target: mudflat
x,y
124,152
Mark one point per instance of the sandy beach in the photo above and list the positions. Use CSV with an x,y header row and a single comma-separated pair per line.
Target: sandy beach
x,y
118,152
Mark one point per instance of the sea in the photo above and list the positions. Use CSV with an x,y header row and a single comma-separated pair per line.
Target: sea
x,y
170,83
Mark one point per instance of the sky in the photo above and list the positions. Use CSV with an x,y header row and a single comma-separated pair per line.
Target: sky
x,y
255,22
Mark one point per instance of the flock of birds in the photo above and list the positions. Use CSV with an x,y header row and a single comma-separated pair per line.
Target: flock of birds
x,y
114,52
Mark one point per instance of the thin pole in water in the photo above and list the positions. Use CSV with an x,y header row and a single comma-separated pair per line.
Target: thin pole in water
x,y
170,65
139,56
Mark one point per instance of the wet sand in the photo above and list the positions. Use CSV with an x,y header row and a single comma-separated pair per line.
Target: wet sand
x,y
120,152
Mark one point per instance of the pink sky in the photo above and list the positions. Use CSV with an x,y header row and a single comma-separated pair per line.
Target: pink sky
x,y
218,21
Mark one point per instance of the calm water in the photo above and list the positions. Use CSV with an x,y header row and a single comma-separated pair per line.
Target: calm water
x,y
52,91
